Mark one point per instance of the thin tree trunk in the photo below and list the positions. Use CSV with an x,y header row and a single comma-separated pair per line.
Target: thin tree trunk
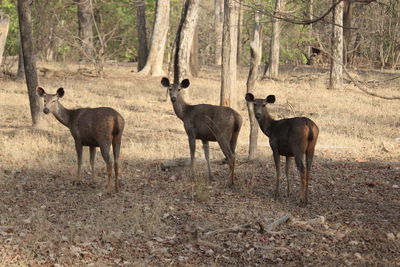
x,y
194,54
218,25
229,55
155,58
4,25
273,67
25,28
347,18
336,75
255,58
143,50
21,69
310,27
239,34
85,22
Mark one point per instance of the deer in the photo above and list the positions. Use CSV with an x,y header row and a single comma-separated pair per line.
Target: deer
x,y
92,127
208,123
290,137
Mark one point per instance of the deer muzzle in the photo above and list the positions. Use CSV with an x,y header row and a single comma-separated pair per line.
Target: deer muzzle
x,y
46,110
173,99
258,116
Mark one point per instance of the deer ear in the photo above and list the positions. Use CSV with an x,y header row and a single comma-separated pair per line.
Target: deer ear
x,y
185,83
60,92
40,91
270,99
165,82
249,97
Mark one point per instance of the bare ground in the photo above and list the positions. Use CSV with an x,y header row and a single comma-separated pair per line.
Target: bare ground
x,y
163,218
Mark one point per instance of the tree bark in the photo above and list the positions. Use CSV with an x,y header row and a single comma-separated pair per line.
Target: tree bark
x,y
239,34
143,50
85,23
229,55
255,58
273,66
218,25
310,27
336,74
21,68
194,54
4,25
25,28
155,58
347,18
186,37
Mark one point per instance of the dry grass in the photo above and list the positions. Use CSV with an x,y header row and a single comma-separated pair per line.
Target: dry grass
x,y
44,220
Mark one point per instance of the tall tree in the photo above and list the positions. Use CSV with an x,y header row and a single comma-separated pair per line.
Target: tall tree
x,y
347,19
85,22
239,34
218,25
28,51
255,58
155,58
194,54
143,50
336,74
273,64
229,55
184,41
4,25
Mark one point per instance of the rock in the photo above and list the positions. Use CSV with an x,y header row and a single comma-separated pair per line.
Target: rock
x,y
390,236
358,256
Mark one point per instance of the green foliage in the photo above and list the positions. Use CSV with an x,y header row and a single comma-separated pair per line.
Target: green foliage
x,y
8,7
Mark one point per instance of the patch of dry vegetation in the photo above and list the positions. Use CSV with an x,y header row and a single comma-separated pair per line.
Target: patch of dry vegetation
x,y
160,217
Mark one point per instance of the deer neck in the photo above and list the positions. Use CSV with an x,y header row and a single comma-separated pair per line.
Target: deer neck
x,y
180,107
63,115
266,123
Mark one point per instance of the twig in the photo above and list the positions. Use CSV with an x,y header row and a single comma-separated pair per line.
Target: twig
x,y
279,221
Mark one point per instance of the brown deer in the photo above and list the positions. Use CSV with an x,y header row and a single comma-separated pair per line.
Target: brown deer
x,y
92,127
208,123
291,137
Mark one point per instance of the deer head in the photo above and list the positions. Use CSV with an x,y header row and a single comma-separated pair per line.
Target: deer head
x,y
259,104
51,103
174,89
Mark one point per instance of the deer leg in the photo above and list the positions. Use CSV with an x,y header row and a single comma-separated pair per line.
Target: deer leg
x,y
105,152
300,166
192,146
309,160
92,151
206,148
287,169
78,147
116,149
277,160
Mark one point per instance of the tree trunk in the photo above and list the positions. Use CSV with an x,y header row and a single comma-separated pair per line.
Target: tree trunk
x,y
186,37
194,54
239,34
273,66
255,58
336,75
155,58
229,55
4,25
85,22
25,29
310,28
21,69
347,18
143,50
218,26
184,41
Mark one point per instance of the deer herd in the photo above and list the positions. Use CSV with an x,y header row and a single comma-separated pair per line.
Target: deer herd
x,y
103,127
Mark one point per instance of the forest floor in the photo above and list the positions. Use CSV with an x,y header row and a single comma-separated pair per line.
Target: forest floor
x,y
162,217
